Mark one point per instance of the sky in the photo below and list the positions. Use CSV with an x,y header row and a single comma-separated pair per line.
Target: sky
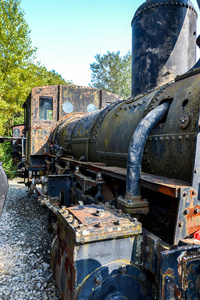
x,y
69,33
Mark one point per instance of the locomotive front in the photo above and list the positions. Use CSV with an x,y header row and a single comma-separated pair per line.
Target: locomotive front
x,y
123,181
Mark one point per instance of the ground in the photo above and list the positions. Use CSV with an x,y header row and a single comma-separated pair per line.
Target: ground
x,y
25,271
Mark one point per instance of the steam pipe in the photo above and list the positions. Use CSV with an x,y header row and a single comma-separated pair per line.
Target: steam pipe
x,y
136,148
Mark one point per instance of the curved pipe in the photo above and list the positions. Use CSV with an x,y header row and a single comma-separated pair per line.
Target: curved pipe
x,y
136,148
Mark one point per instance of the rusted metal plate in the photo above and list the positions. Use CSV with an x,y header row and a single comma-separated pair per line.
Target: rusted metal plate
x,y
93,222
167,186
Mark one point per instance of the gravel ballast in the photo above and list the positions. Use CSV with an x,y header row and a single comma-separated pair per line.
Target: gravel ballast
x,y
25,271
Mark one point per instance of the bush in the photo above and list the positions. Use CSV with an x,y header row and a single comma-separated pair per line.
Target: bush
x,y
9,165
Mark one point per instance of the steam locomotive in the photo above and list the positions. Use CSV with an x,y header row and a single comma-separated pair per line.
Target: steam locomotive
x,y
122,177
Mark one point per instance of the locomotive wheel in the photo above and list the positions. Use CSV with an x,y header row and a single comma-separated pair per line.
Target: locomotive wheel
x,y
116,282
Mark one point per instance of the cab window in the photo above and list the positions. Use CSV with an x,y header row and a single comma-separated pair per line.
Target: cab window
x,y
46,108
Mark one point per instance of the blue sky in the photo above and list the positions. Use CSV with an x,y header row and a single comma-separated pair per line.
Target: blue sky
x,y
69,33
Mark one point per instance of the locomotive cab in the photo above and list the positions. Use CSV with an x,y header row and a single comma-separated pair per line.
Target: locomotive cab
x,y
48,106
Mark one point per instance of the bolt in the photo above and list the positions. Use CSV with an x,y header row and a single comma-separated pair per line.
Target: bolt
x,y
122,269
99,176
98,278
70,218
116,222
130,201
196,171
65,213
100,212
75,223
197,210
134,219
76,169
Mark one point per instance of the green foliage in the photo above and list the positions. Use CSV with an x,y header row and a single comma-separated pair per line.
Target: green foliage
x,y
6,157
18,71
112,73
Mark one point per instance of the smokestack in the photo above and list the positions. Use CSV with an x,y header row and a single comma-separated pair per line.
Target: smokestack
x,y
163,43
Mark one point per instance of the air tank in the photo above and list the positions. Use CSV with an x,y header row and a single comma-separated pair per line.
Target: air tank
x,y
163,43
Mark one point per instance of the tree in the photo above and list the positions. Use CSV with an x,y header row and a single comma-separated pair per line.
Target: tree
x,y
16,53
112,73
18,71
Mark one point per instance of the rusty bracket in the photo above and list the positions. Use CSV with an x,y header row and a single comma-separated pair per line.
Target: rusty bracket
x,y
188,214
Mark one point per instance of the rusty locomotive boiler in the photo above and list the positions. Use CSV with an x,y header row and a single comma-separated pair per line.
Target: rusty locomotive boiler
x,y
121,177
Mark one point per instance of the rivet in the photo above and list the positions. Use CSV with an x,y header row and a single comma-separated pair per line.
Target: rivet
x,y
173,138
155,139
187,137
184,194
196,171
197,210
161,138
186,211
180,138
180,224
167,138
